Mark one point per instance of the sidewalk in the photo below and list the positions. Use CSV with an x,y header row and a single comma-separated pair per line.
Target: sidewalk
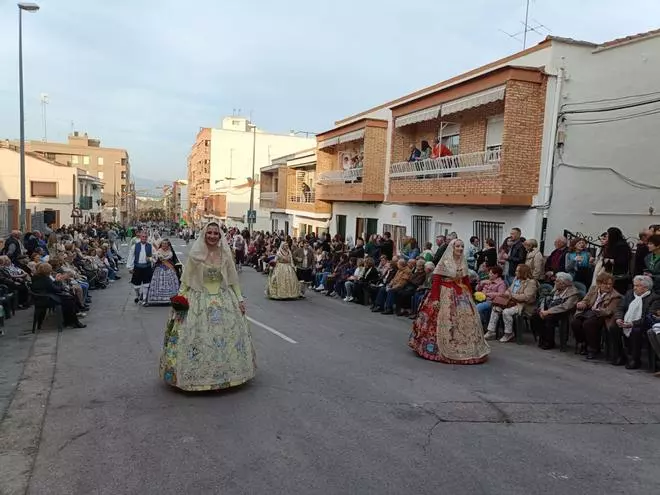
x,y
14,350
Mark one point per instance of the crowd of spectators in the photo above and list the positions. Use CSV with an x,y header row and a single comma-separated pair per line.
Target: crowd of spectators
x,y
59,266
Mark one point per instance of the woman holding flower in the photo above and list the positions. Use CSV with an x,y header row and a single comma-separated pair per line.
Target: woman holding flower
x,y
208,346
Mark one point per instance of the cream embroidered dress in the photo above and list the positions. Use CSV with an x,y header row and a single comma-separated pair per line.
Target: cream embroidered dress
x,y
282,281
210,347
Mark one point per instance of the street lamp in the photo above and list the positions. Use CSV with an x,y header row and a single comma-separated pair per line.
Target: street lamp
x,y
114,201
28,7
254,150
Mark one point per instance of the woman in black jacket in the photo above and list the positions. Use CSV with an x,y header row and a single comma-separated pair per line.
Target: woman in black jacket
x,y
43,284
616,259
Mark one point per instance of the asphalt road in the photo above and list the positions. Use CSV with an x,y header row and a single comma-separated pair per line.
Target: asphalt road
x,y
346,409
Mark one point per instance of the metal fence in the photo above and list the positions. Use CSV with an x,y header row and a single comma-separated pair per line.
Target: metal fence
x,y
5,219
481,161
421,229
485,230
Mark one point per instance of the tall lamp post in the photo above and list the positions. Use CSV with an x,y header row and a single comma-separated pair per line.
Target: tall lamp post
x,y
28,7
254,150
114,198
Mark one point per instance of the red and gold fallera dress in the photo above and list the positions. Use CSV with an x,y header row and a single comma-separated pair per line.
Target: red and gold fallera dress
x,y
448,328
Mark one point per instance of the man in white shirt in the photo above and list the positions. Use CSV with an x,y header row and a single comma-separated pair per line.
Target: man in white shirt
x,y
139,265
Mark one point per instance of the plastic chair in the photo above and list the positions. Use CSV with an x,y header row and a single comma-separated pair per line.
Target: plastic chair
x,y
42,304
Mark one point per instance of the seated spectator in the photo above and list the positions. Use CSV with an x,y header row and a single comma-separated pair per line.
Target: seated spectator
x,y
350,282
383,283
593,312
372,248
43,284
359,288
428,253
384,265
417,278
422,290
534,259
358,250
338,274
492,287
556,262
411,250
578,262
519,298
632,321
652,261
388,293
16,280
559,304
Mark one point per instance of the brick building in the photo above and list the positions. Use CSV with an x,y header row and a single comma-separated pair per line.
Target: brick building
x,y
199,168
510,125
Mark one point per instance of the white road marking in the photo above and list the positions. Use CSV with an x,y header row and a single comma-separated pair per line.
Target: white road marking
x,y
178,252
271,330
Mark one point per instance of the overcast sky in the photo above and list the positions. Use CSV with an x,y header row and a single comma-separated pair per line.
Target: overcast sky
x,y
146,74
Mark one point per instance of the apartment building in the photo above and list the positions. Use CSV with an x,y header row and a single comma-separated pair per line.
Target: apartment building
x,y
233,147
110,165
556,137
199,166
288,192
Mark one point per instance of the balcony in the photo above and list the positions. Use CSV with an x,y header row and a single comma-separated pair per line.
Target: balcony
x,y
448,166
349,176
269,199
302,198
85,202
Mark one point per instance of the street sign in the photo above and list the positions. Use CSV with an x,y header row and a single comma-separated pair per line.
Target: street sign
x,y
251,215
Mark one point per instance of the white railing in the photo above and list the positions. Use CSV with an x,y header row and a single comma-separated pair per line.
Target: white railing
x,y
482,161
268,196
350,175
302,197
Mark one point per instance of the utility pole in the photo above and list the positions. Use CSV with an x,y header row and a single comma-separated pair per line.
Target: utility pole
x,y
526,25
44,102
254,151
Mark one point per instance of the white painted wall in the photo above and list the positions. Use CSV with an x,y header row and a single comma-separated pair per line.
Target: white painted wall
x,y
460,219
590,201
37,170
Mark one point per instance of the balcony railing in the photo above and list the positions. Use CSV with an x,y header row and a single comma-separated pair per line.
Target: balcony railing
x,y
302,197
268,196
333,176
482,161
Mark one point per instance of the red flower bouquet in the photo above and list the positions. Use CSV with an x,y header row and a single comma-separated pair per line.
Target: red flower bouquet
x,y
180,303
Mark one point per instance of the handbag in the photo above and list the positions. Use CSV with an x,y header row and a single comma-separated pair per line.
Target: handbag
x,y
503,302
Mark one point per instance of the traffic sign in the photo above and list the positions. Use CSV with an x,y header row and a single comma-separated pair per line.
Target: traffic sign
x,y
251,215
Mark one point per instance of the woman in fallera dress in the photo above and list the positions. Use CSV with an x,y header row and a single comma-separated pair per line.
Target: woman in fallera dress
x,y
448,327
283,281
164,281
209,347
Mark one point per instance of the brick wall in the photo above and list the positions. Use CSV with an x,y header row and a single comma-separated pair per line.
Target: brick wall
x,y
375,148
282,174
523,136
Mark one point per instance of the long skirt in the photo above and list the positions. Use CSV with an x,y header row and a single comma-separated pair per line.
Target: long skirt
x,y
164,285
448,327
283,282
209,347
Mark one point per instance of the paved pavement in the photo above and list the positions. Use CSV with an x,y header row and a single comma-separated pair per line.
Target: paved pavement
x,y
346,409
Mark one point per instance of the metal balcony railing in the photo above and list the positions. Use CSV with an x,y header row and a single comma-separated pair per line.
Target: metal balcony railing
x,y
334,176
482,161
302,197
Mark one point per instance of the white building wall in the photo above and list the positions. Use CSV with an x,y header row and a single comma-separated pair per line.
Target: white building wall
x,y
587,200
455,219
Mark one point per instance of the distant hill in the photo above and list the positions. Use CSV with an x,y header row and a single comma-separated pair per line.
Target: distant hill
x,y
150,187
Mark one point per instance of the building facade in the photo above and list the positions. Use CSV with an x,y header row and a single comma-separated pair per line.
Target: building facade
x,y
199,165
288,191
548,139
232,149
110,165
90,197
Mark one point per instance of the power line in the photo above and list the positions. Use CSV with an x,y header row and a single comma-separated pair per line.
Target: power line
x,y
628,180
619,98
614,119
612,108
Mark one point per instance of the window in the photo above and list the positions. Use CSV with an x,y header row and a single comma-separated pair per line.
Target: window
x,y
421,229
235,122
207,142
123,188
276,184
494,132
442,228
365,227
85,160
74,159
123,175
341,226
40,189
50,156
100,175
398,233
274,224
484,230
99,160
450,136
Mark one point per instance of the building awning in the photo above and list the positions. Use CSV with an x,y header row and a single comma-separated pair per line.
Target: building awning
x,y
475,100
327,143
352,136
418,116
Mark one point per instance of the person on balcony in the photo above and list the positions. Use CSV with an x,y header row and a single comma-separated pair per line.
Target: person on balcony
x,y
439,150
307,192
425,154
414,153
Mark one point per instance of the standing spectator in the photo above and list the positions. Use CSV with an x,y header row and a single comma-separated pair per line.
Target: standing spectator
x,y
442,243
616,259
652,262
471,251
488,255
578,262
13,246
358,250
516,254
387,246
414,153
556,262
641,252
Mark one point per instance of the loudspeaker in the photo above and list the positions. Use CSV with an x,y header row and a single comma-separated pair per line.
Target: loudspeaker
x,y
49,217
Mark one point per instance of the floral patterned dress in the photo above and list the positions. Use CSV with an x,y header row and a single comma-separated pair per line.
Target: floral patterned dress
x,y
448,327
283,282
210,346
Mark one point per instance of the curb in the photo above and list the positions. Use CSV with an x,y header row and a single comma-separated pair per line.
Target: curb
x,y
22,424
